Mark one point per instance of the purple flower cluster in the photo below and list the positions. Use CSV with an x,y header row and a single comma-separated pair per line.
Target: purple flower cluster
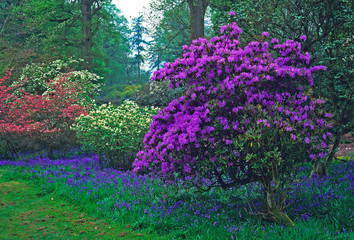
x,y
263,87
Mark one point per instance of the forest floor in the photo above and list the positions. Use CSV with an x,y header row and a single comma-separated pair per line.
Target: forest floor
x,y
346,147
26,212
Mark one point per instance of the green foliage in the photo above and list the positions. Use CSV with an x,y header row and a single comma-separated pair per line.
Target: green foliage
x,y
169,23
158,94
111,47
116,94
116,133
39,31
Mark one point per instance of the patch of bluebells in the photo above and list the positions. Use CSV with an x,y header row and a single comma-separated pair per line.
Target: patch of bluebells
x,y
91,160
127,197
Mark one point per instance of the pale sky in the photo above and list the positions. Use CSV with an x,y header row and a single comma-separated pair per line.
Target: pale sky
x,y
131,8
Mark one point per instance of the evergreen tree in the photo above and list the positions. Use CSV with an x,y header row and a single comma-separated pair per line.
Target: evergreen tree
x,y
138,42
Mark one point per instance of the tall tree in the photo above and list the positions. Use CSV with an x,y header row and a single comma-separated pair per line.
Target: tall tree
x,y
112,43
197,10
40,31
197,13
169,36
88,9
138,42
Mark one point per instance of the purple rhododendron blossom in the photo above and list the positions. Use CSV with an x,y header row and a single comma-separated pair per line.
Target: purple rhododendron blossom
x,y
266,34
231,13
236,93
274,40
303,38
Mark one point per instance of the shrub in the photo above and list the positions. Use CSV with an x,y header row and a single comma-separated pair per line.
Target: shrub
x,y
158,94
35,118
116,133
35,79
117,93
248,115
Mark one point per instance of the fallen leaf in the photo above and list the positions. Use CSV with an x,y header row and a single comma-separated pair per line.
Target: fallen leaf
x,y
81,220
41,229
100,234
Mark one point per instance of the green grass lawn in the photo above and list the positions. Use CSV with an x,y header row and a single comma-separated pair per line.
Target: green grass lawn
x,y
26,212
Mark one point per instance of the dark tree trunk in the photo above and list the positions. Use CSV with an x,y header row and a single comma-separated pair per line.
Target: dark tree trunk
x,y
138,64
275,206
86,37
197,12
88,9
50,152
321,169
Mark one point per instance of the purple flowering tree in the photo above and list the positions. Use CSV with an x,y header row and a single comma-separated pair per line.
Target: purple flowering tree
x,y
248,115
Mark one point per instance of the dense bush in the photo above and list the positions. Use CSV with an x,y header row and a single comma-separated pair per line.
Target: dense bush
x,y
158,94
248,115
28,119
35,79
117,93
116,133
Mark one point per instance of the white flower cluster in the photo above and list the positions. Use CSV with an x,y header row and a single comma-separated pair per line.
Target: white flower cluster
x,y
115,129
34,79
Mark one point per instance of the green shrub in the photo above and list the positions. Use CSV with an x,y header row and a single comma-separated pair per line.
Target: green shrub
x,y
115,133
158,94
116,94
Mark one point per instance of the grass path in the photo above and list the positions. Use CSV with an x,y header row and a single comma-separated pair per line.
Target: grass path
x,y
28,213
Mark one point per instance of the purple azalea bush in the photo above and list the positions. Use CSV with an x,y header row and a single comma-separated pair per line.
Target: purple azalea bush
x,y
248,115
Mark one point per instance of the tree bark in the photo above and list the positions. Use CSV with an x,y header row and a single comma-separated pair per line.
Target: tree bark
x,y
273,206
86,38
197,12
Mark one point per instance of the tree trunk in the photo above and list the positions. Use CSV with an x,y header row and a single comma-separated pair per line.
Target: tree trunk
x,y
274,206
321,169
13,150
50,153
138,64
86,37
197,12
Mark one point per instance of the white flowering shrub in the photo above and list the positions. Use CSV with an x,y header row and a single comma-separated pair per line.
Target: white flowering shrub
x,y
34,79
116,133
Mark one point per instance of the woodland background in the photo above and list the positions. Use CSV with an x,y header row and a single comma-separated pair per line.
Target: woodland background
x,y
125,55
